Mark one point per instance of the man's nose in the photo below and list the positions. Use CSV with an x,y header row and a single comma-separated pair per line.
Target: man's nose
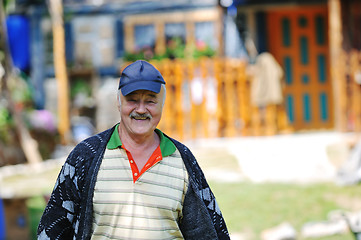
x,y
141,108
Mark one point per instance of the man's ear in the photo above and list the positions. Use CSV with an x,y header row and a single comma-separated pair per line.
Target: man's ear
x,y
118,102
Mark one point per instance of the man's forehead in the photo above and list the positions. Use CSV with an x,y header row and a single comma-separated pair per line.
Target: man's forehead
x,y
142,92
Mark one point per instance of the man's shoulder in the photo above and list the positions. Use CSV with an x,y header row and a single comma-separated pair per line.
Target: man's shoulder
x,y
180,146
92,143
184,151
100,137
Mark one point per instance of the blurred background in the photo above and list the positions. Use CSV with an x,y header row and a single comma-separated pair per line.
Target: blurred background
x,y
267,94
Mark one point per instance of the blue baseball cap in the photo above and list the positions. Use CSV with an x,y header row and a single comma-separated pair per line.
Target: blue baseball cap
x,y
140,75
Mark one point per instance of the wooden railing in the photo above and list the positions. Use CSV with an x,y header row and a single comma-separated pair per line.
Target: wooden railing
x,y
211,98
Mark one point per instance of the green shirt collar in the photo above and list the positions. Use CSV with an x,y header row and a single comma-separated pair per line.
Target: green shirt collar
x,y
166,145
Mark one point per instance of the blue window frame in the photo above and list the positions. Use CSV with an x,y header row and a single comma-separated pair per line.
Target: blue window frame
x,y
119,35
290,108
69,42
286,32
304,50
305,78
288,69
302,22
320,30
321,67
324,107
307,107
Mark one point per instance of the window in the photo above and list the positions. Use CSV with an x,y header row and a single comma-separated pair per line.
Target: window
x,y
144,36
204,32
168,34
175,30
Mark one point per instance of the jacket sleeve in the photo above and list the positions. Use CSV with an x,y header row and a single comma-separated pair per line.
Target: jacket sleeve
x,y
200,203
60,217
196,224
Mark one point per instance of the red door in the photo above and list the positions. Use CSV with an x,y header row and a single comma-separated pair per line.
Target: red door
x,y
298,39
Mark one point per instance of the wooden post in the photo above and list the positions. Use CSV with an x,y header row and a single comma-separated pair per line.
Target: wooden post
x,y
219,69
28,144
56,12
355,90
204,115
160,45
179,114
337,74
270,120
243,92
230,100
168,114
194,110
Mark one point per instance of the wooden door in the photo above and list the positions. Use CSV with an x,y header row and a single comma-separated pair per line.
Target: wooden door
x,y
298,39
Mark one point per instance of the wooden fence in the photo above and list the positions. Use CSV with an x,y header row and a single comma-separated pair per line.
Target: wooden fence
x,y
211,98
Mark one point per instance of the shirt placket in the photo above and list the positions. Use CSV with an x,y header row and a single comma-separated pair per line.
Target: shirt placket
x,y
155,158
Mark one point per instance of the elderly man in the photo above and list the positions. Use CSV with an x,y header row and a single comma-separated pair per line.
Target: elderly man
x,y
132,181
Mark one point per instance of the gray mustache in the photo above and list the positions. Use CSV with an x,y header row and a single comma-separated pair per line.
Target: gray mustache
x,y
140,116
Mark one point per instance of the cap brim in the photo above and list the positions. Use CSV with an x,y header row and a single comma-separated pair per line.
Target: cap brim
x,y
141,85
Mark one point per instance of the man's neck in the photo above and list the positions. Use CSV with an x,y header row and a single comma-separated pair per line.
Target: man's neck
x,y
138,142
141,148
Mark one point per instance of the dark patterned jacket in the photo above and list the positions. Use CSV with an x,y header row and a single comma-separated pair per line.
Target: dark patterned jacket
x,y
69,212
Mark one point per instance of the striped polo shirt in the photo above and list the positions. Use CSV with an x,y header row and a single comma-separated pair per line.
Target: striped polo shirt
x,y
144,204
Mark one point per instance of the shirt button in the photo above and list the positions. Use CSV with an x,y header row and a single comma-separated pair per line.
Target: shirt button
x,y
131,161
135,174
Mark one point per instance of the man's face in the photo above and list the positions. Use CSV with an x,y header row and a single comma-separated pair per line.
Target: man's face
x,y
141,112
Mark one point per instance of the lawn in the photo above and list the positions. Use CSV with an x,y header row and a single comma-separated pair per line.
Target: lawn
x,y
250,208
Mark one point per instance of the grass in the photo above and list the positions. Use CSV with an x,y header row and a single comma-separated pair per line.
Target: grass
x,y
248,208
251,208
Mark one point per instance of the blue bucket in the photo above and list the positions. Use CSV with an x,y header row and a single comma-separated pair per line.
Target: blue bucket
x,y
18,27
2,221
